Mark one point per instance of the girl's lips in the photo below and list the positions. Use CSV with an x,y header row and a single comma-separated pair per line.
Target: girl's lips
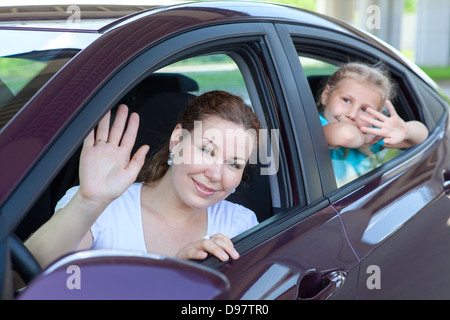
x,y
204,190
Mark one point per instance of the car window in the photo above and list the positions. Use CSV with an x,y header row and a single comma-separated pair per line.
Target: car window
x,y
317,72
22,75
211,72
158,87
161,97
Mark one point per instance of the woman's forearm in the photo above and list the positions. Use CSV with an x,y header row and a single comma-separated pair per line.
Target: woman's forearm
x,y
64,232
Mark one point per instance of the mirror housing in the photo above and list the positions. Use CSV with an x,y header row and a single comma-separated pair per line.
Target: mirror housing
x,y
113,275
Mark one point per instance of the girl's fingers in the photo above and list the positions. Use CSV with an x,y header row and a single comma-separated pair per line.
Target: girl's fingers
x,y
391,108
374,122
376,115
374,131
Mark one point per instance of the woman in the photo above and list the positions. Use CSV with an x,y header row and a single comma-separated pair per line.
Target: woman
x,y
177,207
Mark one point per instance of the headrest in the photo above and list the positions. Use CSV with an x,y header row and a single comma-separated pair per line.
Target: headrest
x,y
174,82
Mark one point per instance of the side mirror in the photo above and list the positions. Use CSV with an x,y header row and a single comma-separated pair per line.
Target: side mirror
x,y
113,275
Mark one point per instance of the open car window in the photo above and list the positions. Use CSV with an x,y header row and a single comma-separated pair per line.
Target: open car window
x,y
318,71
161,97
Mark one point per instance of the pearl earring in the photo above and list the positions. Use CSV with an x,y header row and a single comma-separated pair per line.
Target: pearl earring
x,y
170,161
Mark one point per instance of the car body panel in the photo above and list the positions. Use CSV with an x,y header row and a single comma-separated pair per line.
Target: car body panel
x,y
116,275
275,268
401,243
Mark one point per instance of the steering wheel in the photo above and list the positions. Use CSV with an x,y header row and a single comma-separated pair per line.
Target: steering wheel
x,y
23,261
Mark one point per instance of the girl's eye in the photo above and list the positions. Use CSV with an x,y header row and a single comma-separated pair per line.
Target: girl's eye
x,y
346,100
364,109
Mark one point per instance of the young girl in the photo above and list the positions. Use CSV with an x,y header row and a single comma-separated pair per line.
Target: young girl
x,y
350,107
178,208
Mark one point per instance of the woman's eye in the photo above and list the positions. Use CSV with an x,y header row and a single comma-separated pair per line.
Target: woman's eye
x,y
208,151
346,100
236,165
364,109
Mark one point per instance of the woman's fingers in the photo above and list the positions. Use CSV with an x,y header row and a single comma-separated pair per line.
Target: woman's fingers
x,y
129,137
220,246
103,128
138,159
115,135
90,139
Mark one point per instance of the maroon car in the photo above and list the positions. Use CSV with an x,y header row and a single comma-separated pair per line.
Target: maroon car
x,y
382,235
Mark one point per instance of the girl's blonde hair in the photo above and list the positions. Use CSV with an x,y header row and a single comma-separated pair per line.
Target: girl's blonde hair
x,y
375,76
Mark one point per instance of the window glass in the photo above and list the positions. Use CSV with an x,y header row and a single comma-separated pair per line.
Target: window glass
x,y
16,73
433,107
22,75
316,67
212,72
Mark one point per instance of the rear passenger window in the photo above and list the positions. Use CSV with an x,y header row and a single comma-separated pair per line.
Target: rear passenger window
x,y
345,170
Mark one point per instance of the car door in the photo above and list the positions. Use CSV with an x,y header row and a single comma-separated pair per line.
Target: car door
x,y
396,216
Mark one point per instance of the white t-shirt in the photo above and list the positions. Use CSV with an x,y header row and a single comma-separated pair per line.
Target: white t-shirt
x,y
120,225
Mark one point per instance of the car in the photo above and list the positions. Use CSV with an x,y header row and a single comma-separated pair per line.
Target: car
x,y
382,235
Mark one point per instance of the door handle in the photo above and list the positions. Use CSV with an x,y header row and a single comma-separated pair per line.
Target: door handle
x,y
316,285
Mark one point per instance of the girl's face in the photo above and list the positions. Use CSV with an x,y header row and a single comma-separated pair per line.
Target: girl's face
x,y
349,100
208,163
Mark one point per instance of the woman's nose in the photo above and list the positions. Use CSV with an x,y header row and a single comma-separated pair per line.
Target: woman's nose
x,y
214,171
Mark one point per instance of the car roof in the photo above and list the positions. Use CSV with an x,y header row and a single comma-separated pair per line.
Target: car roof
x,y
102,17
56,16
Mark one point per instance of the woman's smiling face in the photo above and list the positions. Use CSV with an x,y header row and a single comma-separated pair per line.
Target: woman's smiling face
x,y
208,163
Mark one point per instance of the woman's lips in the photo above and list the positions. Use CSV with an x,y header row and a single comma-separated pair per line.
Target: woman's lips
x,y
204,190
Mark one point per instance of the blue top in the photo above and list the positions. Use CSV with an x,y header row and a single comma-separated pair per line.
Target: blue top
x,y
348,164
